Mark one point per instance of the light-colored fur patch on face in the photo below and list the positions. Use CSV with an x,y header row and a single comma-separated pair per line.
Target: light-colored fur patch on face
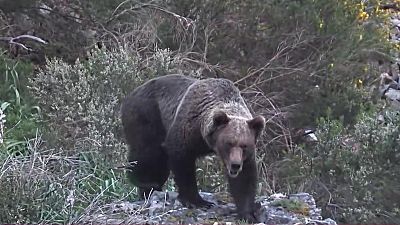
x,y
238,117
238,130
235,111
238,125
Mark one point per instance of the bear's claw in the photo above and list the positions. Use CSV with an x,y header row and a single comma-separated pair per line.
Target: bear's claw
x,y
249,218
198,203
253,215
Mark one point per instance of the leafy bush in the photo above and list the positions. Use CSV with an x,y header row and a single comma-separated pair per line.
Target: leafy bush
x,y
352,171
82,100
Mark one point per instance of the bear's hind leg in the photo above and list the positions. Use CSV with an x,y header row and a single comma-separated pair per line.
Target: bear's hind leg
x,y
145,133
149,173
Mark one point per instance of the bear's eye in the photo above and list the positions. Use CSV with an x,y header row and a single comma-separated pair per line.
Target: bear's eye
x,y
244,146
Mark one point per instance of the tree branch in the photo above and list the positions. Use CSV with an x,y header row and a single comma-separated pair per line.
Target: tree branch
x,y
390,6
14,40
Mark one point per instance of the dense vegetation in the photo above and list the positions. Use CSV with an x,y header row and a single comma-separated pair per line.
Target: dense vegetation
x,y
300,63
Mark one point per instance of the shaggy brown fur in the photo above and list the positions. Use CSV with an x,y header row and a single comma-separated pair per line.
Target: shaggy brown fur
x,y
172,120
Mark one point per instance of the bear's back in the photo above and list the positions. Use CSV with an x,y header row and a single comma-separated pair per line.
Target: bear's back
x,y
218,89
166,92
182,97
218,94
170,86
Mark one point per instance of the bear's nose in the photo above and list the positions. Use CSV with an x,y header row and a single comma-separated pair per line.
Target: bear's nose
x,y
235,167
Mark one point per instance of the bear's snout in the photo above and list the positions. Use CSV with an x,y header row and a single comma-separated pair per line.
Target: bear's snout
x,y
235,162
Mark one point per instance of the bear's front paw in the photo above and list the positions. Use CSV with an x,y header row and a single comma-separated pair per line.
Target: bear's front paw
x,y
249,218
253,215
198,202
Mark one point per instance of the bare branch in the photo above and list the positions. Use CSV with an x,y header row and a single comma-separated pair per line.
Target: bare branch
x,y
14,40
390,6
185,22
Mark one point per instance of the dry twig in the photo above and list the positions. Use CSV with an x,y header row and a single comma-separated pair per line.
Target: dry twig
x,y
14,40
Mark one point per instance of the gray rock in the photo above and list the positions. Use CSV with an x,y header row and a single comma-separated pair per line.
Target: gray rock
x,y
165,208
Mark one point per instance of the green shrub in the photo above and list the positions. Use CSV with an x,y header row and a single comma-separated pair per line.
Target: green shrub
x,y
291,205
23,116
353,172
49,186
81,101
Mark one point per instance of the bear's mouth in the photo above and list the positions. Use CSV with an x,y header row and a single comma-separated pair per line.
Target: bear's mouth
x,y
233,174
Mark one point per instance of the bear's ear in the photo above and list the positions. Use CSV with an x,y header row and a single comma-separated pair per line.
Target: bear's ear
x,y
220,118
257,124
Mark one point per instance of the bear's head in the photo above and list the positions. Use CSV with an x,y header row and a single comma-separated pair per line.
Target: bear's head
x,y
234,139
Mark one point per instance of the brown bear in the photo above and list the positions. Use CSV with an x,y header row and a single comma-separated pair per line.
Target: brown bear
x,y
172,120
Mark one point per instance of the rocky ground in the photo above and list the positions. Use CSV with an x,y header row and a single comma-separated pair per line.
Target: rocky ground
x,y
164,208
